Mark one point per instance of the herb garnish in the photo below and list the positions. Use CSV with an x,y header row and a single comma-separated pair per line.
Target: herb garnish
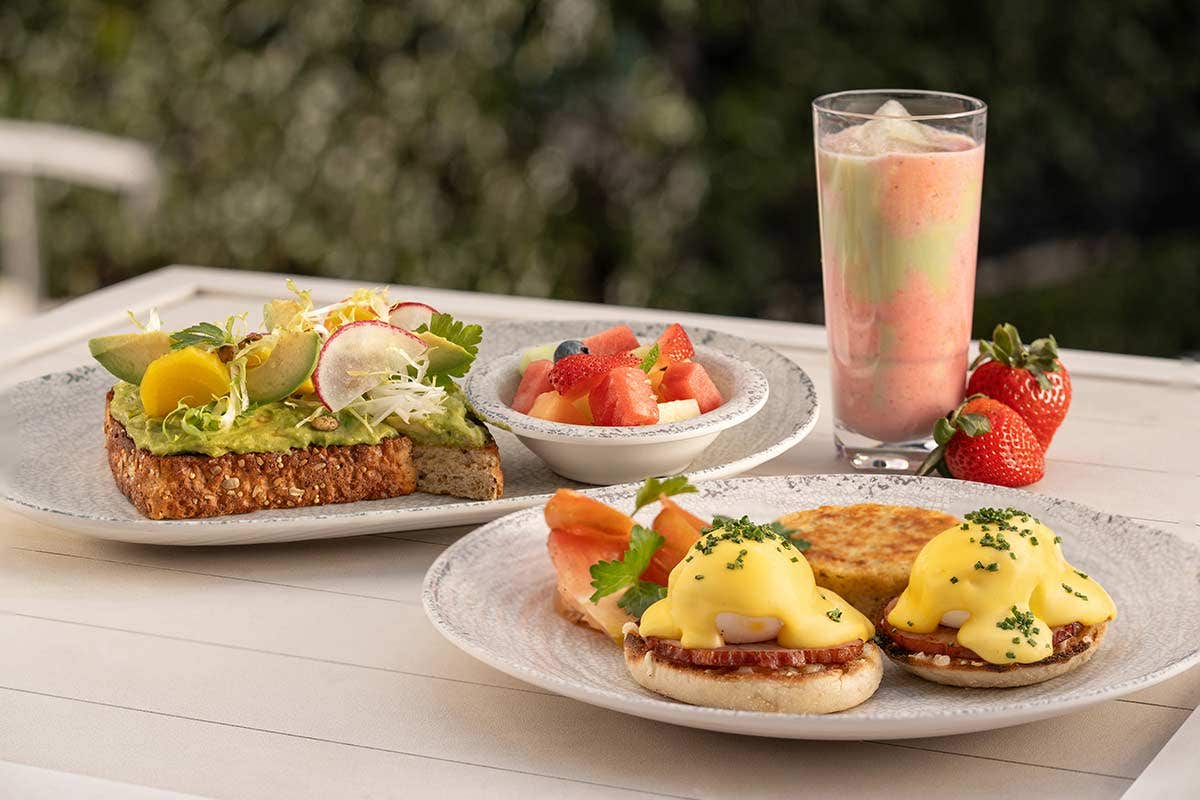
x,y
1022,623
650,360
654,488
738,530
612,576
465,336
834,614
997,542
204,334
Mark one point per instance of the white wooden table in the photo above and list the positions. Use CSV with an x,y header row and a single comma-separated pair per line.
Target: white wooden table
x,y
309,670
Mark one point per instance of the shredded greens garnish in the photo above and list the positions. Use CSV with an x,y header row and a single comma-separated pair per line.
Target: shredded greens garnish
x,y
153,322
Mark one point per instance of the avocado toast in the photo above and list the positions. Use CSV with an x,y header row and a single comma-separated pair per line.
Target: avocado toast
x,y
351,401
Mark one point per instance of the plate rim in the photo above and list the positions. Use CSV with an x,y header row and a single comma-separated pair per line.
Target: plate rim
x,y
460,512
807,726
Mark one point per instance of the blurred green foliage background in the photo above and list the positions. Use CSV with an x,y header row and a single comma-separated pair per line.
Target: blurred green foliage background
x,y
647,153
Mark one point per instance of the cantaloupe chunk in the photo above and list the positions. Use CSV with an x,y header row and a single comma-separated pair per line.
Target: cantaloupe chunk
x,y
554,407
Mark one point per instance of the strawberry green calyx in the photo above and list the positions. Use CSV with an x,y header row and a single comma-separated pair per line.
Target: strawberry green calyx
x,y
1037,358
943,431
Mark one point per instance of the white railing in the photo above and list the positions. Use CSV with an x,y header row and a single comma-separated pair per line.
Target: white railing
x,y
32,150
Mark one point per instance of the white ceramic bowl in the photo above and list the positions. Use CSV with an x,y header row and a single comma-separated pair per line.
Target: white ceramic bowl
x,y
606,455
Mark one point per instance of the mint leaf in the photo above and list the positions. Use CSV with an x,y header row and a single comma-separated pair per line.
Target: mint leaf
x,y
651,359
641,596
654,488
612,576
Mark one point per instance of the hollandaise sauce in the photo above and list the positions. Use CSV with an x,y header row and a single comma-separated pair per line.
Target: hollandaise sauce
x,y
748,576
1001,579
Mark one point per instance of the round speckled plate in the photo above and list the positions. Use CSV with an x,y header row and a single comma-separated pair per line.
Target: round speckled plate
x,y
54,467
490,594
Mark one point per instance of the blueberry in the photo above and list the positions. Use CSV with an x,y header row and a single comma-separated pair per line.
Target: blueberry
x,y
569,348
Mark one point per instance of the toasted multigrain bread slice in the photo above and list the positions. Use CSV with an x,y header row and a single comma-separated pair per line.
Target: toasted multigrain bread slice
x,y
864,552
187,486
473,473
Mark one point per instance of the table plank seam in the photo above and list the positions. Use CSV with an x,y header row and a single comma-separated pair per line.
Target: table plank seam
x,y
281,654
398,538
393,537
1001,760
216,575
337,742
374,668
1077,463
1155,705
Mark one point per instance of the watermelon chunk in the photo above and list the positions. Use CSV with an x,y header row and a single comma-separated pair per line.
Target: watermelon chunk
x,y
624,397
617,339
554,407
534,382
689,380
675,345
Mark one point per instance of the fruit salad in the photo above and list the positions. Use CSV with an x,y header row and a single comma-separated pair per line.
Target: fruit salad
x,y
610,379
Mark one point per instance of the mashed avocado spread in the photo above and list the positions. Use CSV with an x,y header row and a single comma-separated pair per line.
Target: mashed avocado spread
x,y
273,427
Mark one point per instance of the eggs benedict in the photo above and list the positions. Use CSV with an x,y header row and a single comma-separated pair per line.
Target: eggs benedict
x,y
992,602
744,626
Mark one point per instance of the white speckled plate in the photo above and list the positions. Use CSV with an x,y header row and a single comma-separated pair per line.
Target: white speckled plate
x,y
490,594
54,467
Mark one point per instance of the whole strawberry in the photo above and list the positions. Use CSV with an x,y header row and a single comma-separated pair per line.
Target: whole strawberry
x,y
985,440
1031,379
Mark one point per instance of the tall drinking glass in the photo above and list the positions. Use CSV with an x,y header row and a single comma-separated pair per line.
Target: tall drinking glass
x,y
899,176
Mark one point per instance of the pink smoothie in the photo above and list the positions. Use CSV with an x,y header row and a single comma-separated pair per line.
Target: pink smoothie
x,y
899,204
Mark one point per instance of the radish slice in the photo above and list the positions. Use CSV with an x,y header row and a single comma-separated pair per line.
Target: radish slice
x,y
411,316
358,357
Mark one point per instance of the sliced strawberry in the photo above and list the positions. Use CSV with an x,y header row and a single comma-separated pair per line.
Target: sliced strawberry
x,y
576,375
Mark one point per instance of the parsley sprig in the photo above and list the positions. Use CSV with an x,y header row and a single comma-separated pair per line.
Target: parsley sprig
x,y
465,336
655,488
609,577
204,334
